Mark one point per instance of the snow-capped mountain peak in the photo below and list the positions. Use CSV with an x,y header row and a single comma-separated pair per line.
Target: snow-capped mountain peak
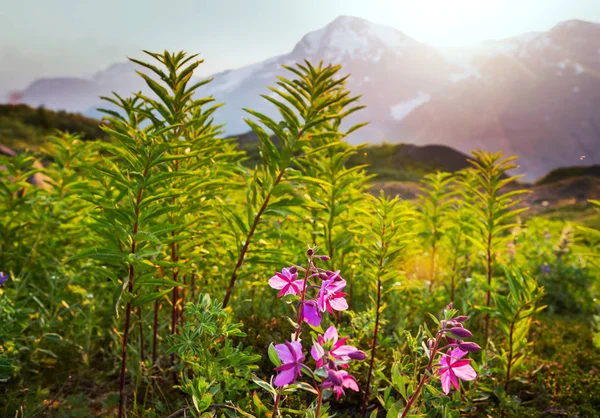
x,y
353,38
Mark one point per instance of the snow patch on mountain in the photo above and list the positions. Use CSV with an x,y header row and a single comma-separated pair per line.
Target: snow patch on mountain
x,y
401,110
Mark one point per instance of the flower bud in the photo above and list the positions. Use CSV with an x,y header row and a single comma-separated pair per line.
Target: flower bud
x,y
461,332
357,355
324,257
310,252
430,342
293,269
323,276
450,305
469,347
461,318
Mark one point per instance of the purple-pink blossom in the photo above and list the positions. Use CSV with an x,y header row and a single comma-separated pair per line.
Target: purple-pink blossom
x,y
287,282
329,344
453,368
3,278
330,296
338,380
291,356
310,313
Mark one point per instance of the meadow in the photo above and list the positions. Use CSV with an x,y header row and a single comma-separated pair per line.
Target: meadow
x,y
155,273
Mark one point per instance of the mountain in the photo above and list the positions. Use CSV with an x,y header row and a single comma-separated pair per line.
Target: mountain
x,y
536,95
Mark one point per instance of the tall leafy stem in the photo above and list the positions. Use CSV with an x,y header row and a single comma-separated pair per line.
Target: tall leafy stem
x,y
494,210
435,205
389,237
304,105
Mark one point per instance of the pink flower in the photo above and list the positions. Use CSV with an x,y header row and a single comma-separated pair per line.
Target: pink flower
x,y
291,356
329,344
338,380
451,368
330,297
286,281
310,313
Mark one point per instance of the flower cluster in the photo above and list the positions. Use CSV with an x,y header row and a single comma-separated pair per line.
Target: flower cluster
x,y
329,295
330,352
3,278
452,365
331,355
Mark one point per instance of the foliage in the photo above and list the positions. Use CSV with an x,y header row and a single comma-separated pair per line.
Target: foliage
x,y
106,269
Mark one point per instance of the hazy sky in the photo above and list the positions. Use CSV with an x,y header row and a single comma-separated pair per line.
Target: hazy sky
x,y
80,37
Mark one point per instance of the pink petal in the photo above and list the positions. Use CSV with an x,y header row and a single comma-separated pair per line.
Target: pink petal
x,y
339,304
299,286
465,372
277,282
460,363
311,314
344,350
457,353
286,272
331,334
446,382
350,383
443,361
317,351
454,381
286,290
284,353
297,347
286,377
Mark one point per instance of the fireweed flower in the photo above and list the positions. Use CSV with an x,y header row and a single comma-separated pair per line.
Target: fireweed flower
x,y
330,345
291,356
287,282
3,278
453,368
338,380
310,313
545,268
330,296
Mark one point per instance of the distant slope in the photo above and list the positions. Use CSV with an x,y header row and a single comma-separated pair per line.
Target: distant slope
x,y
24,127
569,172
389,162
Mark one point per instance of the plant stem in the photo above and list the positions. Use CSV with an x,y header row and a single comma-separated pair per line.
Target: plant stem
x,y
415,395
510,348
299,316
244,250
319,403
432,268
276,405
155,329
489,282
141,324
375,331
131,276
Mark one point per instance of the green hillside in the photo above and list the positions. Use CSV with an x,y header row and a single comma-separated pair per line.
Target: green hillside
x,y
24,127
563,173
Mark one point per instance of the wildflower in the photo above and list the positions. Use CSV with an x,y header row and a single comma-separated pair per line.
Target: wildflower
x,y
3,278
452,367
338,380
291,356
310,313
329,344
545,268
286,281
330,297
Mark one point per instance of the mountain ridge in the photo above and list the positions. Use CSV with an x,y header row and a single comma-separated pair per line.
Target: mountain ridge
x,y
533,94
